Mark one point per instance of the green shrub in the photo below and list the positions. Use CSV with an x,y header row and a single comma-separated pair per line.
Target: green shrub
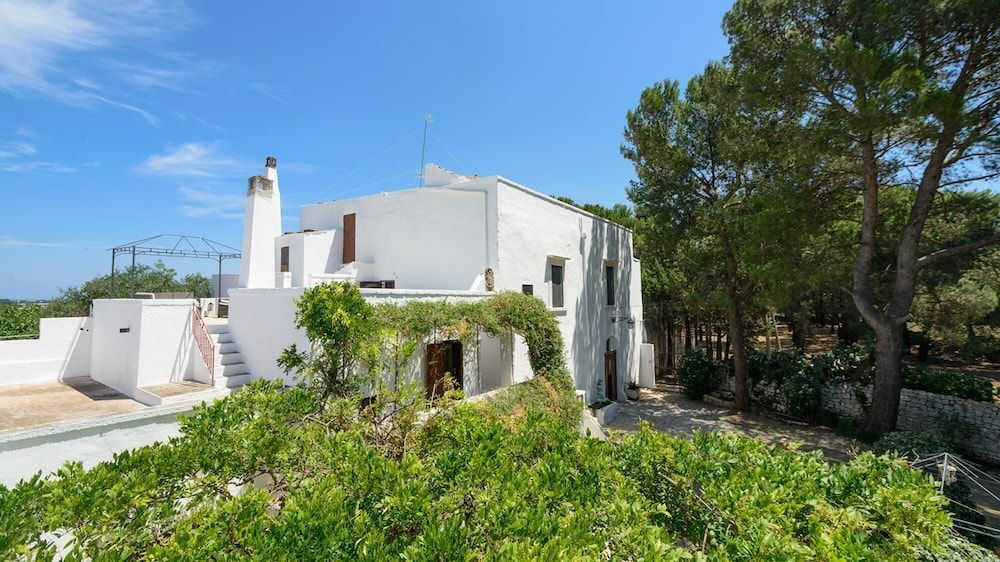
x,y
846,363
504,479
940,381
20,321
982,347
910,444
751,501
698,373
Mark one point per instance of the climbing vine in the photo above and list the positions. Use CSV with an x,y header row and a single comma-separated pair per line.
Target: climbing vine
x,y
406,326
352,341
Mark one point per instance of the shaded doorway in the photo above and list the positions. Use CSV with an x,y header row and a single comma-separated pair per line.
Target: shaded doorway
x,y
611,373
443,359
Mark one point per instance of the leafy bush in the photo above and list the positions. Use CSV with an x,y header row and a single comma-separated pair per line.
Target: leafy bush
x,y
751,501
698,373
913,445
784,378
982,347
855,363
910,444
20,321
264,474
940,381
846,363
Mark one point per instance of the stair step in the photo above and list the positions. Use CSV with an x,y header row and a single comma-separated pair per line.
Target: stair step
x,y
230,358
233,381
221,338
217,328
232,370
227,347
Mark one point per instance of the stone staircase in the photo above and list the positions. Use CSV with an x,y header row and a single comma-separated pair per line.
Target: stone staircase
x,y
230,371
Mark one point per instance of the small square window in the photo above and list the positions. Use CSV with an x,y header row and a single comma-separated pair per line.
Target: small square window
x,y
528,289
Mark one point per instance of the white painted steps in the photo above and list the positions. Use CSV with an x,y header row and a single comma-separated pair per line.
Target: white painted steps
x,y
230,371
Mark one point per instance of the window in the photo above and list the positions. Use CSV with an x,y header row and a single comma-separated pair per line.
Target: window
x,y
284,259
556,282
609,284
528,289
390,284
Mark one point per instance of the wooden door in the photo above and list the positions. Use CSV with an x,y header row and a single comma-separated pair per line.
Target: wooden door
x,y
611,375
436,369
443,358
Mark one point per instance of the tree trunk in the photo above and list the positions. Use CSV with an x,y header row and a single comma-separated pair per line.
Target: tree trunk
x,y
718,344
687,333
923,350
740,368
886,389
670,346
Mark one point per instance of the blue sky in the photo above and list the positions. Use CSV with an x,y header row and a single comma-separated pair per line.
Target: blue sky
x,y
119,120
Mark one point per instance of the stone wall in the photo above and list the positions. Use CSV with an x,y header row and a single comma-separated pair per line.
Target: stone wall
x,y
938,414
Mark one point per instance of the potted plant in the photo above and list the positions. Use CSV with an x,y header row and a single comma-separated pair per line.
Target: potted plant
x,y
632,391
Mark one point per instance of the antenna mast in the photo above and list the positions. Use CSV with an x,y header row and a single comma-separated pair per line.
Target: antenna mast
x,y
423,148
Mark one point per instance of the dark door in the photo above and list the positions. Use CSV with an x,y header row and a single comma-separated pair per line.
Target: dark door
x,y
443,359
611,375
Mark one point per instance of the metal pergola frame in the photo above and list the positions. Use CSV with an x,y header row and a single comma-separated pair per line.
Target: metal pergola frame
x,y
183,247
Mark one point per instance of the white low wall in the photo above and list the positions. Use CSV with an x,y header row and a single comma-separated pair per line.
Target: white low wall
x,y
62,351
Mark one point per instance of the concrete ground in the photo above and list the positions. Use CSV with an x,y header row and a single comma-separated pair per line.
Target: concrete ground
x,y
674,413
41,405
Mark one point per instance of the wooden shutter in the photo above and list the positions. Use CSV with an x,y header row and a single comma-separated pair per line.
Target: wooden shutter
x,y
350,223
284,259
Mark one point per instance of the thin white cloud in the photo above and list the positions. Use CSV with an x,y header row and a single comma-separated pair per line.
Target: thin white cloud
x,y
210,203
190,159
43,166
37,37
15,149
11,242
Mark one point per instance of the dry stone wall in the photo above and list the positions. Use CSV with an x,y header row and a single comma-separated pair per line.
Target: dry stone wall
x,y
971,424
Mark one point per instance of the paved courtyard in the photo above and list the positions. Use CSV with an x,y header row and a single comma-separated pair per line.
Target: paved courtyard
x,y
674,413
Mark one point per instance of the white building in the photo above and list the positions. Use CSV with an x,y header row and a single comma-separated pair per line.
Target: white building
x,y
457,237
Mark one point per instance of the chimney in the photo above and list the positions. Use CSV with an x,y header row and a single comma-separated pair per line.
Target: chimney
x,y
261,225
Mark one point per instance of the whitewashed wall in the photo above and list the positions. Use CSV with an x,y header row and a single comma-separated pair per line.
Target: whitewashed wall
x,y
229,281
531,229
429,238
157,346
308,253
62,351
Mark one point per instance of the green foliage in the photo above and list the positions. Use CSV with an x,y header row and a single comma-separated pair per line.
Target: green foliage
x,y
343,332
698,373
910,444
846,363
506,312
158,278
953,383
20,321
750,501
913,445
264,474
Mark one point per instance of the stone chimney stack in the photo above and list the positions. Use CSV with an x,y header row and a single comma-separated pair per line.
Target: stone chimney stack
x,y
261,225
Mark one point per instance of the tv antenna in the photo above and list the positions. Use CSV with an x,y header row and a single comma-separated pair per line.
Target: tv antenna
x,y
423,147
